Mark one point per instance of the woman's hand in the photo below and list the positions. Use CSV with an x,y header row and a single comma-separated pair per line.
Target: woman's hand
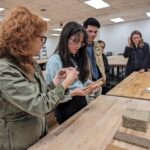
x,y
142,70
71,75
60,76
129,41
92,87
96,89
89,88
78,92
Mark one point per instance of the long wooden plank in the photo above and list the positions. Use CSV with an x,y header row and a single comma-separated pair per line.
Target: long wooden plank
x,y
134,86
128,146
132,139
93,128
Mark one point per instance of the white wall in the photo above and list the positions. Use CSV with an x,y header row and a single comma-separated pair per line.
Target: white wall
x,y
115,36
51,44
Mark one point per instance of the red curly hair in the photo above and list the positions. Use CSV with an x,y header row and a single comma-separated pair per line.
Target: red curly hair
x,y
17,33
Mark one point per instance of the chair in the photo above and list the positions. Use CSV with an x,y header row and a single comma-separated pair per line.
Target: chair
x,y
122,71
109,53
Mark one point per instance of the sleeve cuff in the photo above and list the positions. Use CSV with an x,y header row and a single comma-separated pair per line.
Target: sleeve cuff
x,y
60,91
51,85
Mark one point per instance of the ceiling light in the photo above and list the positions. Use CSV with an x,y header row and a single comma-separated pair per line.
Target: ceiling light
x,y
55,34
98,4
46,19
1,9
148,14
117,20
57,29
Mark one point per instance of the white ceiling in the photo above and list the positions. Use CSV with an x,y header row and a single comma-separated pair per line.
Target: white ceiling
x,y
69,10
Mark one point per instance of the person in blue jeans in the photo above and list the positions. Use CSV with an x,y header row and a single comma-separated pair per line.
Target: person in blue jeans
x,y
70,52
137,53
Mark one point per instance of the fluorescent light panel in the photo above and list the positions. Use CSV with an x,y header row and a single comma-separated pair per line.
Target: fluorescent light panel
x,y
1,9
46,19
57,29
148,14
117,20
97,4
55,34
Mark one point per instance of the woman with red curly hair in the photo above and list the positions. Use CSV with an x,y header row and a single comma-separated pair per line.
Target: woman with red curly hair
x,y
24,96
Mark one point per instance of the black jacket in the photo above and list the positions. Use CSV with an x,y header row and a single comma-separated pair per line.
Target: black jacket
x,y
138,58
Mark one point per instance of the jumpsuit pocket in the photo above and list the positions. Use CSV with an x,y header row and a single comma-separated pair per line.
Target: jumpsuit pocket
x,y
23,133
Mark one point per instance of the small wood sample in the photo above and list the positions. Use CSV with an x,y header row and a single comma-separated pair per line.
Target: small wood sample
x,y
135,119
94,84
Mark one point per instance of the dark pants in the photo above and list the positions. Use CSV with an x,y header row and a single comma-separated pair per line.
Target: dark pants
x,y
106,88
65,110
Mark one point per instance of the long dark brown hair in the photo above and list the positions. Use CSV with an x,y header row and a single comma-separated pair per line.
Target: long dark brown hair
x,y
17,33
70,29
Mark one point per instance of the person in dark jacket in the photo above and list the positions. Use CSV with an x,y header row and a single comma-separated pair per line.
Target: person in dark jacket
x,y
137,53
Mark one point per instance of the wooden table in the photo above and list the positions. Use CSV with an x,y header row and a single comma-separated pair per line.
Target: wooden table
x,y
134,86
117,60
92,128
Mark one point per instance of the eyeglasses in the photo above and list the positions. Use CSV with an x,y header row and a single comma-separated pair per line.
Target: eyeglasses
x,y
43,39
90,31
80,44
